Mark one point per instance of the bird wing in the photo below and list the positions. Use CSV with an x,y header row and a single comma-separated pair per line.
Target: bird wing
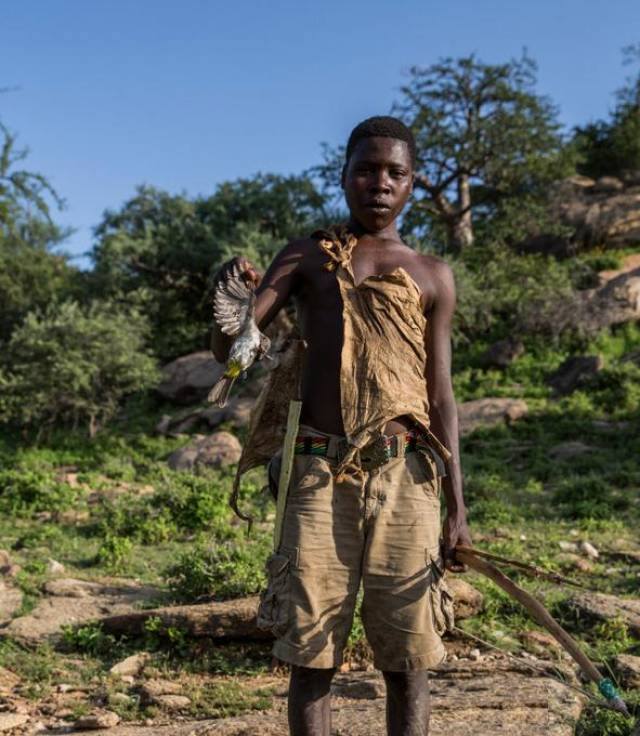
x,y
233,303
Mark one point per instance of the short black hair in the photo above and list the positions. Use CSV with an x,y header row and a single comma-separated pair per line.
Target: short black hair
x,y
382,126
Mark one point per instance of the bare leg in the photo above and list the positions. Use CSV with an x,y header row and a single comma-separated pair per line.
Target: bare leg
x,y
309,701
408,703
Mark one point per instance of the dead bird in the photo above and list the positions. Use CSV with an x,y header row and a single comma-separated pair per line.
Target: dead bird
x,y
234,307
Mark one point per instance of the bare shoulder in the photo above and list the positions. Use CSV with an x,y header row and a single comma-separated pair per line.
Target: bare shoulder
x,y
435,278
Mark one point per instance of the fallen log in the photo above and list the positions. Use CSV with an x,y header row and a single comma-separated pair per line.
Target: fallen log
x,y
235,619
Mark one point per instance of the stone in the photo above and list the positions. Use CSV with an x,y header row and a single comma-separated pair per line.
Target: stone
x,y
162,427
568,546
5,559
627,668
538,642
132,665
589,550
95,721
217,450
54,567
10,601
489,412
606,184
570,559
605,607
475,655
467,600
172,702
574,372
74,602
8,680
189,379
9,721
468,699
569,450
152,689
614,303
605,213
502,353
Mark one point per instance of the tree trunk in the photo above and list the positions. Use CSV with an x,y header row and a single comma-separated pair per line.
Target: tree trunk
x,y
461,226
235,619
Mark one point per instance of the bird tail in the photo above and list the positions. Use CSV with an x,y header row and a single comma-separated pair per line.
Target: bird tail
x,y
219,394
220,391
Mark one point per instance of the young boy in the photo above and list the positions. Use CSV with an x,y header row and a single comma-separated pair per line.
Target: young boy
x,y
378,424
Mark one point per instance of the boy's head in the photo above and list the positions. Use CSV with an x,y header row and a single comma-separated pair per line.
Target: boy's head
x,y
378,174
381,126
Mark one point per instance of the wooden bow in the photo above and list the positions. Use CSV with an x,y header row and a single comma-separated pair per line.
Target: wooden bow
x,y
473,559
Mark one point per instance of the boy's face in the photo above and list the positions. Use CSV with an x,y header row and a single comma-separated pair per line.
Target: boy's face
x,y
377,181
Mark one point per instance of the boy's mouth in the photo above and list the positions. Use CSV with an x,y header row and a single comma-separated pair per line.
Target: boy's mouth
x,y
377,206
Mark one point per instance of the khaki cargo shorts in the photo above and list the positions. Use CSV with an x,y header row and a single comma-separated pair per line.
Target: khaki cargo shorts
x,y
380,529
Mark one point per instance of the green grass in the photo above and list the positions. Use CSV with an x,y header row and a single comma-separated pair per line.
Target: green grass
x,y
125,513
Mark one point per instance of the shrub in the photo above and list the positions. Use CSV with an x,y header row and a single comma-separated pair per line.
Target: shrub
x,y
223,571
72,365
23,492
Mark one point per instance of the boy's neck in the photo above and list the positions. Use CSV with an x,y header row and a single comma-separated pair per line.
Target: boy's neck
x,y
390,232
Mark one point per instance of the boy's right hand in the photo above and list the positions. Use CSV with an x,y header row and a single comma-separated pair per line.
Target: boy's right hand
x,y
249,273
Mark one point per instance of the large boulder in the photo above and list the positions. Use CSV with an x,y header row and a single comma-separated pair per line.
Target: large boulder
x,y
216,450
189,379
574,372
605,607
489,412
10,601
603,212
72,601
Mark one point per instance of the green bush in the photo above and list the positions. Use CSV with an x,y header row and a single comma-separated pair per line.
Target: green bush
x,y
73,365
23,492
222,571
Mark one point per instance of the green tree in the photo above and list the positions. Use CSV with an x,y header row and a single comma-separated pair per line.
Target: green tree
x,y
612,147
31,274
72,365
483,135
160,250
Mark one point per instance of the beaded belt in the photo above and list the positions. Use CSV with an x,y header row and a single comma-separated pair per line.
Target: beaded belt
x,y
373,455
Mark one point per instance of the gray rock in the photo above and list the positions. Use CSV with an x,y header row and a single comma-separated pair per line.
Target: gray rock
x,y
489,412
173,702
74,602
607,185
604,607
189,379
574,372
569,450
9,721
95,721
54,567
589,550
8,680
627,668
10,601
132,665
217,450
503,353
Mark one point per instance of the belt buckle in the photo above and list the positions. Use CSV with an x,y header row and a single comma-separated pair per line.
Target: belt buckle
x,y
375,454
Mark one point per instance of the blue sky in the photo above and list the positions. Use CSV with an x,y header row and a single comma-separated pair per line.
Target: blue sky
x,y
184,95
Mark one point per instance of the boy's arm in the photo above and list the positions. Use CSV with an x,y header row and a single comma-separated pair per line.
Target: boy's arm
x,y
443,412
272,292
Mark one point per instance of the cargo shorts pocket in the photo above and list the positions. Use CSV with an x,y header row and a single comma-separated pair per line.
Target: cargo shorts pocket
x,y
440,595
275,600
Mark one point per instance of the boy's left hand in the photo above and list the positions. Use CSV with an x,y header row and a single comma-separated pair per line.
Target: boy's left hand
x,y
455,530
